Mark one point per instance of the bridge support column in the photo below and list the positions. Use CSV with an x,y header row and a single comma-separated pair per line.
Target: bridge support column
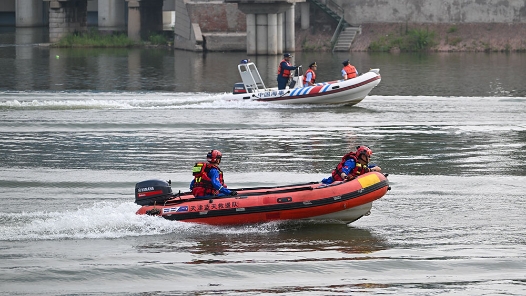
x,y
290,32
305,15
251,34
261,34
272,25
29,13
111,15
280,33
144,18
265,26
66,17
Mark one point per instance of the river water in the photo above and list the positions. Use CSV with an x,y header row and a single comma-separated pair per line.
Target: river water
x,y
79,127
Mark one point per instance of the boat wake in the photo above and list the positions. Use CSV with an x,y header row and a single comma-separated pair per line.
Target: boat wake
x,y
120,100
105,220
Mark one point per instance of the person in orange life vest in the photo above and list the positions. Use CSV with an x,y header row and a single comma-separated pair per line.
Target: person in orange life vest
x,y
348,70
310,76
208,177
352,165
284,69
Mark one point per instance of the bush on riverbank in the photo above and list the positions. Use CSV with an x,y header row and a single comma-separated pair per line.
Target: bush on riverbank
x,y
448,37
94,38
410,41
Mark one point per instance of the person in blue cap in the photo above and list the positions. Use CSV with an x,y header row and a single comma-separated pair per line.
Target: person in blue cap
x,y
284,69
310,75
348,70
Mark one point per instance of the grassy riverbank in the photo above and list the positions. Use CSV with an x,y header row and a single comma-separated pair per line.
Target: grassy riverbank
x,y
480,37
399,37
405,37
93,38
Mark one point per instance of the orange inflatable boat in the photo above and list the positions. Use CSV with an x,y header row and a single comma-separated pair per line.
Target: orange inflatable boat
x,y
341,201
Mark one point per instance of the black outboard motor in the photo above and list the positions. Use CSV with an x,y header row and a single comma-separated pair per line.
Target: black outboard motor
x,y
239,88
151,192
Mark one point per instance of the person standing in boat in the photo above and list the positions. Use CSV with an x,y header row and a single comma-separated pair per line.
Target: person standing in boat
x,y
284,69
352,165
348,70
208,177
310,76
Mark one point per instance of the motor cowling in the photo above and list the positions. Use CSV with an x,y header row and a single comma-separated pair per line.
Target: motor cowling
x,y
152,192
239,88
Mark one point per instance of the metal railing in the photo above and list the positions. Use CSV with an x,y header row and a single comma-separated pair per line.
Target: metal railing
x,y
335,8
334,39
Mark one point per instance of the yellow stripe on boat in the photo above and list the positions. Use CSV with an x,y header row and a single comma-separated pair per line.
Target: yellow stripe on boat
x,y
369,180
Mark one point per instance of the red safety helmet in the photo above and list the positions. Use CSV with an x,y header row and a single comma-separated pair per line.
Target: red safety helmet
x,y
214,156
363,150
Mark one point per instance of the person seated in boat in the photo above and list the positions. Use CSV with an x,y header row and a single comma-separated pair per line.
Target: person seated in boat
x,y
208,178
348,70
352,165
310,76
284,69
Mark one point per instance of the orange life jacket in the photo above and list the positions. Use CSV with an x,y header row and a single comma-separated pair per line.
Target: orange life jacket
x,y
286,73
202,182
350,70
313,80
358,169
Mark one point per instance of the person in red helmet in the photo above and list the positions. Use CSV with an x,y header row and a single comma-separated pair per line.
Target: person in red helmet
x,y
208,178
352,165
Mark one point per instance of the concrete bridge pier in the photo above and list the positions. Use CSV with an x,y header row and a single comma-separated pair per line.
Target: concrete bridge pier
x,y
305,15
263,34
270,26
111,15
280,33
144,18
290,32
251,34
65,17
29,13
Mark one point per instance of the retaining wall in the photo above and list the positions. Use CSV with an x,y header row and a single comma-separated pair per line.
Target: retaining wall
x,y
433,11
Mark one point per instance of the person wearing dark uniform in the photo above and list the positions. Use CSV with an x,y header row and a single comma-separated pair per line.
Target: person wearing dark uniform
x,y
284,69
